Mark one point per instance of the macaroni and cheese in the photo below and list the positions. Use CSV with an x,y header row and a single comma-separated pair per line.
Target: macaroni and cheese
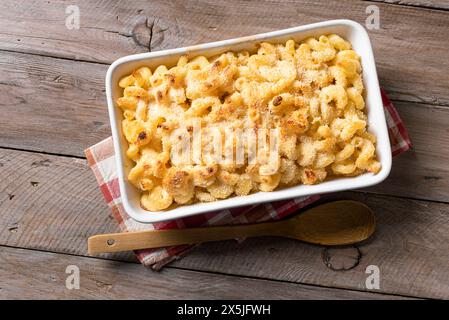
x,y
309,93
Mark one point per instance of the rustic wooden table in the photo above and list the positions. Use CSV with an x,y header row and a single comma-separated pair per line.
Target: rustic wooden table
x,y
52,102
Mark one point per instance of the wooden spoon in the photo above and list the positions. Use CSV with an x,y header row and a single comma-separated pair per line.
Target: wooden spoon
x,y
334,223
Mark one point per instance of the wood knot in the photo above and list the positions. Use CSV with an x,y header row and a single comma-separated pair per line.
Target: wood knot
x,y
13,227
148,34
103,285
41,163
341,258
142,33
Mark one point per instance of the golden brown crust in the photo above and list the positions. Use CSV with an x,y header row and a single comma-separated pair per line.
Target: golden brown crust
x,y
311,91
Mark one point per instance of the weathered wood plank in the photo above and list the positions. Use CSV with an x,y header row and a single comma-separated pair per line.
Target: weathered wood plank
x,y
32,184
423,171
27,274
437,4
408,248
411,245
410,46
53,105
58,106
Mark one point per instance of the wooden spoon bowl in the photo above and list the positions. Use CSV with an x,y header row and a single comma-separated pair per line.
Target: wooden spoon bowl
x,y
334,223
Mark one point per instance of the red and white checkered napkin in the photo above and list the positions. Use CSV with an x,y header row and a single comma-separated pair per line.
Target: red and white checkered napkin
x,y
101,159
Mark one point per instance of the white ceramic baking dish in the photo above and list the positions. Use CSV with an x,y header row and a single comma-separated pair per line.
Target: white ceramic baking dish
x,y
348,29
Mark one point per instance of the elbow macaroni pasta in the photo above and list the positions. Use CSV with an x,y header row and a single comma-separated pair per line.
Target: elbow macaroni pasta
x,y
312,91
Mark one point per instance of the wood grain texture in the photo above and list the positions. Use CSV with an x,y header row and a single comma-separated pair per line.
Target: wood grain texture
x,y
50,198
437,4
64,208
410,47
53,105
423,171
27,274
410,247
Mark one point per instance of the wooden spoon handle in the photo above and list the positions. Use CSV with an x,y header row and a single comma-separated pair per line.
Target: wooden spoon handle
x,y
115,242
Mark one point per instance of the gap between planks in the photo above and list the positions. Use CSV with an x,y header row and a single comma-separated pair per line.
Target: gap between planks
x,y
442,5
44,153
